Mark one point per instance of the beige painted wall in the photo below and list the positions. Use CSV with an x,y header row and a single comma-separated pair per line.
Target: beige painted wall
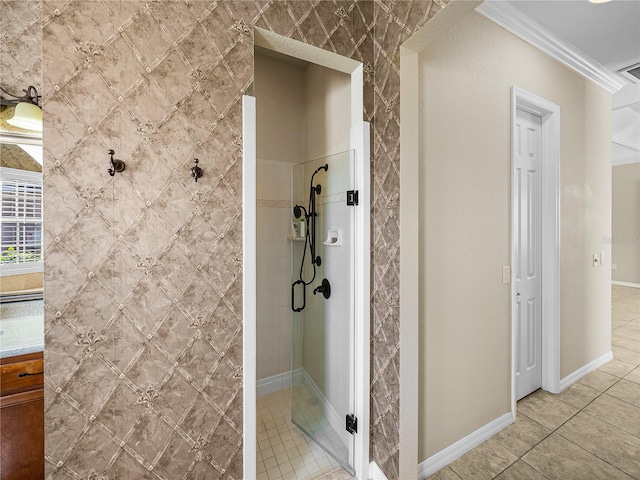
x,y
465,336
280,97
303,111
328,103
626,223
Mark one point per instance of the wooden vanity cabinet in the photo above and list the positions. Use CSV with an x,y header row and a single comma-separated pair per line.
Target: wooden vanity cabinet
x,y
22,417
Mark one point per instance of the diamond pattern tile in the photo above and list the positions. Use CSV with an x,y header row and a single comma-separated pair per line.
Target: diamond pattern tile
x,y
143,270
21,45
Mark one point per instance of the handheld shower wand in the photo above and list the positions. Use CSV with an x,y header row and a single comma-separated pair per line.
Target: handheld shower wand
x,y
310,215
315,260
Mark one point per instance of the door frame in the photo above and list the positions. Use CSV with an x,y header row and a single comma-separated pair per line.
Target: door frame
x,y
550,207
360,142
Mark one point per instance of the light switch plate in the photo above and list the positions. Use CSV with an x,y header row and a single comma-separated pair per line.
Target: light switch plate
x,y
506,274
595,259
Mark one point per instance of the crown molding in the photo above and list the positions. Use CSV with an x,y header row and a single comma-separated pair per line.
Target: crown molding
x,y
522,26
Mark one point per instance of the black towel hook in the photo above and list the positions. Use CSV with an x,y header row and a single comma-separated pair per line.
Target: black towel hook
x,y
196,172
116,165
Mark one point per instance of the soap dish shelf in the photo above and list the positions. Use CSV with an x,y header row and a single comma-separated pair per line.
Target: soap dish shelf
x,y
334,237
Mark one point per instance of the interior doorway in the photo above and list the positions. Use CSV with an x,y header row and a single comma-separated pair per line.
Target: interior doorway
x,y
527,247
535,244
355,316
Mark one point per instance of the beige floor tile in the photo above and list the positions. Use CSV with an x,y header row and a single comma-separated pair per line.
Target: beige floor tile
x,y
622,291
631,303
618,322
621,316
635,321
483,462
575,463
598,380
339,474
274,473
545,409
605,441
444,474
630,329
617,298
627,332
626,356
520,471
521,436
578,395
616,412
633,375
616,368
626,391
281,454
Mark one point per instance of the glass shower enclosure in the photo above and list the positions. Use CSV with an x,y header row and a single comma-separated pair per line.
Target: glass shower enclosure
x,y
322,303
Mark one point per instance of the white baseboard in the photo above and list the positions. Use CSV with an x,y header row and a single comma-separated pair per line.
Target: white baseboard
x,y
626,284
274,383
375,473
572,378
444,457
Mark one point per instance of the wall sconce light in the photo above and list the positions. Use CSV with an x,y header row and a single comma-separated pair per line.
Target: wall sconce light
x,y
196,172
116,165
27,113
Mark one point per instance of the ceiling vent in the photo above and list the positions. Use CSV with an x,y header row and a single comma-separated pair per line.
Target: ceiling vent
x,y
631,73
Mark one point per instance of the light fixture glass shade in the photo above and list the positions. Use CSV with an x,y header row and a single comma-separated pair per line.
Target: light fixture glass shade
x,y
27,116
599,1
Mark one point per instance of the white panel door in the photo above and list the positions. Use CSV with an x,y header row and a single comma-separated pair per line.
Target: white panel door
x,y
528,252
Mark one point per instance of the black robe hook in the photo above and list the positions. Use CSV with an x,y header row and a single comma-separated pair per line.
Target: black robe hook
x,y
116,165
196,172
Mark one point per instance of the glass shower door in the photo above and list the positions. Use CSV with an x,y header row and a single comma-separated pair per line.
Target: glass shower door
x,y
323,303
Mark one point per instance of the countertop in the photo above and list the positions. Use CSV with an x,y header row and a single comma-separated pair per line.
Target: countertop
x,y
21,328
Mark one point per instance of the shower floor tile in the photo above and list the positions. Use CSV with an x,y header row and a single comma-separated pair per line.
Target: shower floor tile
x,y
284,452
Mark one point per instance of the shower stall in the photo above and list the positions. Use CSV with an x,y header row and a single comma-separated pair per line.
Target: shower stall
x,y
306,289
322,303
305,315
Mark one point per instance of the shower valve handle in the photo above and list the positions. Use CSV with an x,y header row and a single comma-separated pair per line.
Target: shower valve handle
x,y
324,289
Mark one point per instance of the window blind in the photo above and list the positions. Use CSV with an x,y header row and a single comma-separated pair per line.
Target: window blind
x,y
21,217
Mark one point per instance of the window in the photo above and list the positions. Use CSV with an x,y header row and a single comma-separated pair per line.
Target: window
x,y
21,222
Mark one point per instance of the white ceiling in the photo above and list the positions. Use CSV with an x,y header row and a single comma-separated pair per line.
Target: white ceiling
x,y
610,34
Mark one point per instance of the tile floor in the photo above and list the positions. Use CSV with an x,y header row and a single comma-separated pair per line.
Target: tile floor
x,y
284,452
308,413
591,431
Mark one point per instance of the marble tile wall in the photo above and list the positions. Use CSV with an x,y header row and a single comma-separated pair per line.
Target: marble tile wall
x,y
143,270
20,45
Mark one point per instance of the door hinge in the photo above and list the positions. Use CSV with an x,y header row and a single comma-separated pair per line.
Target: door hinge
x,y
352,197
352,424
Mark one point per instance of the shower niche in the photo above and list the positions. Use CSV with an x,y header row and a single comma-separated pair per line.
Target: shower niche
x,y
305,267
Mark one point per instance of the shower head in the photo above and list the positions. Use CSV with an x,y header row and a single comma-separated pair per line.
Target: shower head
x,y
297,211
324,167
